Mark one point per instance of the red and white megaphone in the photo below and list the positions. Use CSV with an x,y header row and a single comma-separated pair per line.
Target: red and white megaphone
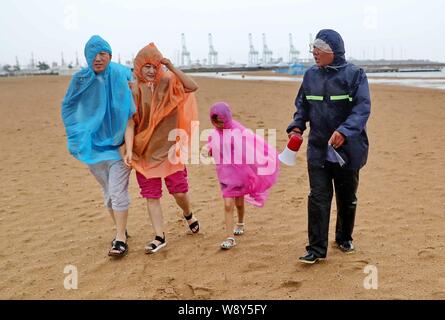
x,y
288,156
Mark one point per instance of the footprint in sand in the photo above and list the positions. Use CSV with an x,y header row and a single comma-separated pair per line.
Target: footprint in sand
x,y
439,294
255,266
263,246
356,265
201,292
295,200
27,240
184,291
427,253
291,285
166,293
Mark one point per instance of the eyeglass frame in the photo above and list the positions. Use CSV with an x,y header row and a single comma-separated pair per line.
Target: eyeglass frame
x,y
312,47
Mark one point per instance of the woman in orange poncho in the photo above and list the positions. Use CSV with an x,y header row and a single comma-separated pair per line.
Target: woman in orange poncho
x,y
164,102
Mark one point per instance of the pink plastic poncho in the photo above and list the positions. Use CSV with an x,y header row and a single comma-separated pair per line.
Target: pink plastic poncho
x,y
246,165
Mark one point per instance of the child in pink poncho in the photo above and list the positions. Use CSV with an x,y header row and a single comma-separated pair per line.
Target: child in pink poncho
x,y
247,167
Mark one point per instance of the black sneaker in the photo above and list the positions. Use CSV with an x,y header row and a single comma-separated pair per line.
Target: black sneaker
x,y
310,258
347,247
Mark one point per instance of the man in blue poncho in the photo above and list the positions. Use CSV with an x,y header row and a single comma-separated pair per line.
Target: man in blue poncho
x,y
95,112
334,99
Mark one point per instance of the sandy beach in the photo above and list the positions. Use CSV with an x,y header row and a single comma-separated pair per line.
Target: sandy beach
x,y
52,212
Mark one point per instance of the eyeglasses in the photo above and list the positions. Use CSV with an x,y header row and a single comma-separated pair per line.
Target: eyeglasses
x,y
316,50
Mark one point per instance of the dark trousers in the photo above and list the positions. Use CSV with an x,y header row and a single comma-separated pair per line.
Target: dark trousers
x,y
322,182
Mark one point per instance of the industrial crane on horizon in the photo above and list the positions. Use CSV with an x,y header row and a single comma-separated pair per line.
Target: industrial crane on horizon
x,y
213,54
267,53
293,53
185,54
253,54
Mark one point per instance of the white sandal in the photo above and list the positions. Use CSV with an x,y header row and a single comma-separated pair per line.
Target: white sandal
x,y
239,229
151,247
229,243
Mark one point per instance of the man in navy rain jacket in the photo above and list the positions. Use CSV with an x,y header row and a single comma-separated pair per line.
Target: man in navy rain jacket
x,y
334,98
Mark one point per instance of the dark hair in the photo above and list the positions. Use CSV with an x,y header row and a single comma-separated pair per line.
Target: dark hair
x,y
214,117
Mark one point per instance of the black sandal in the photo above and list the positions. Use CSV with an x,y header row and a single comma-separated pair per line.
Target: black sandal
x,y
119,246
193,225
153,248
126,236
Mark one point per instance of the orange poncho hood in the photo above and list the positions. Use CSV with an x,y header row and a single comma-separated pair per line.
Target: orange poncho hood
x,y
148,55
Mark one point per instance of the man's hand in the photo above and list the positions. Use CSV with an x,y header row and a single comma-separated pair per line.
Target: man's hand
x,y
337,140
294,132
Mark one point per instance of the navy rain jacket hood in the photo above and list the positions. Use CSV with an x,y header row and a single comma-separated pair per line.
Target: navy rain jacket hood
x,y
334,98
335,41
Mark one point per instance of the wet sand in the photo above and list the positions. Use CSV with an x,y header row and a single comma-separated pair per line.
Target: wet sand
x,y
52,212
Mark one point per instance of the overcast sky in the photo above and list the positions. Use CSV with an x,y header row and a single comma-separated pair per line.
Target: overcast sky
x,y
371,29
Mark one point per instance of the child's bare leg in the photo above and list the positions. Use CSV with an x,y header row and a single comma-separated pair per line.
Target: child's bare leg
x,y
239,203
229,206
157,220
239,228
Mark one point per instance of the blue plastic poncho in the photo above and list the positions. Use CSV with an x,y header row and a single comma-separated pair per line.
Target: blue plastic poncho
x,y
97,107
